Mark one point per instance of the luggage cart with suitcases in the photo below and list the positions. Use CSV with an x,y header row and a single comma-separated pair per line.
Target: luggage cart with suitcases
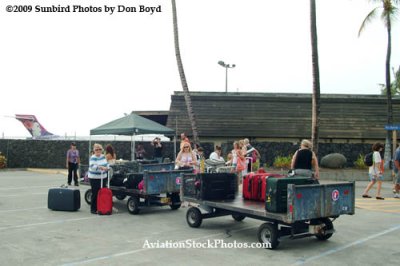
x,y
310,208
156,188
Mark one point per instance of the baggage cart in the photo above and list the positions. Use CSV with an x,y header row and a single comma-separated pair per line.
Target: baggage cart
x,y
160,188
311,210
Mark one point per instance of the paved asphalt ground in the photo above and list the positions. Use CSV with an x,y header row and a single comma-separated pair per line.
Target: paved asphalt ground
x,y
31,234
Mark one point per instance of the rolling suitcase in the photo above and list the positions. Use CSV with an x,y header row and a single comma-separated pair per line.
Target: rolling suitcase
x,y
218,186
276,196
64,199
261,189
104,199
117,180
247,186
210,186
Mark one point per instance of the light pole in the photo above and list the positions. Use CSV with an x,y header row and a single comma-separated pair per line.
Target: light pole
x,y
226,66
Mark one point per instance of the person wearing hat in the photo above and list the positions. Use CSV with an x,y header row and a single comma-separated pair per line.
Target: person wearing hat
x,y
73,161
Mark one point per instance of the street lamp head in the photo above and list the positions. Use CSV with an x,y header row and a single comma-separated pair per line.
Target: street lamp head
x,y
233,65
221,63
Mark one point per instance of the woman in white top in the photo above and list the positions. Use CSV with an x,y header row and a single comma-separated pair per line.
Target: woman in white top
x,y
186,158
97,167
216,155
375,172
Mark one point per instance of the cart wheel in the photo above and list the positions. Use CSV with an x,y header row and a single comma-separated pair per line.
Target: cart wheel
x,y
322,235
238,217
268,234
175,202
120,197
133,205
194,217
88,196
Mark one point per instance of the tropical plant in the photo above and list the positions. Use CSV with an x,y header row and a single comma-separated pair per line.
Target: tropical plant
x,y
394,86
3,161
359,163
282,162
185,87
315,72
388,13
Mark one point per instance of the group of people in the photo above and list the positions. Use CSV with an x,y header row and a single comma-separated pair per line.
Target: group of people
x,y
140,152
304,163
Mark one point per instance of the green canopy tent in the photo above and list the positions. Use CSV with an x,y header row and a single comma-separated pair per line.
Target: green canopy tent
x,y
131,125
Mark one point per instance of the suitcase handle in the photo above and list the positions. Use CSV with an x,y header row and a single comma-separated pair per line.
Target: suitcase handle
x,y
107,176
249,184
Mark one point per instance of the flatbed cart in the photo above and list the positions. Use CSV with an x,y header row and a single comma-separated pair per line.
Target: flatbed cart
x,y
311,210
160,188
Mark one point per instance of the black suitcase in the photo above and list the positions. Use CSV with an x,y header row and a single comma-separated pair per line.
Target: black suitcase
x,y
132,180
276,195
117,180
210,186
64,199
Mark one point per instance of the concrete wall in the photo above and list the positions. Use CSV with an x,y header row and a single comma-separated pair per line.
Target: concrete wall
x,y
52,153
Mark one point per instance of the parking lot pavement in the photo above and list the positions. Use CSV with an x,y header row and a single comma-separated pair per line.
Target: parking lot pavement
x,y
31,234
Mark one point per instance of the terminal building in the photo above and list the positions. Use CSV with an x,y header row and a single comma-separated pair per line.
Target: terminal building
x,y
279,117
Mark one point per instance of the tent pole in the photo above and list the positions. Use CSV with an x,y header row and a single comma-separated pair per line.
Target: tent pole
x,y
133,146
90,147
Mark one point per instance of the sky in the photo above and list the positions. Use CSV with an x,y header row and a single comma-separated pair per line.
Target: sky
x,y
78,70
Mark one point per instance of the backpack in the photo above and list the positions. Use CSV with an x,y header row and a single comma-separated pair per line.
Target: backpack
x,y
368,159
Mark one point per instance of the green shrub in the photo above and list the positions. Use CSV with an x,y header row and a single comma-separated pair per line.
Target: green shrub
x,y
283,162
3,161
360,162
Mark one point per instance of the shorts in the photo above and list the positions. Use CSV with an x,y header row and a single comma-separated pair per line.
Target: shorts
x,y
397,178
303,172
373,178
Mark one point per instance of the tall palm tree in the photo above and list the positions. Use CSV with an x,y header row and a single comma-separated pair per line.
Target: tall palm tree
x,y
315,71
183,77
388,12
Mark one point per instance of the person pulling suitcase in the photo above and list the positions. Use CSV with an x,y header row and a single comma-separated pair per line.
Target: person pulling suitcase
x,y
104,199
98,166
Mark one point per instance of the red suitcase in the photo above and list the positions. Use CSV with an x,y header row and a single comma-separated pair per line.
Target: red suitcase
x,y
104,200
247,185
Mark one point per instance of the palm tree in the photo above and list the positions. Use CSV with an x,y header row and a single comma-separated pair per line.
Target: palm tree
x,y
183,77
388,12
316,86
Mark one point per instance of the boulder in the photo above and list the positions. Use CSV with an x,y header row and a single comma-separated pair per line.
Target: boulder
x,y
334,161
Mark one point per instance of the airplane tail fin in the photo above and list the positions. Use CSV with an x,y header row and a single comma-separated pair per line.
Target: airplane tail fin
x,y
31,123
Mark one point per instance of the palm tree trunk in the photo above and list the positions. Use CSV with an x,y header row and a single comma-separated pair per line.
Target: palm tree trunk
x,y
315,72
388,88
183,77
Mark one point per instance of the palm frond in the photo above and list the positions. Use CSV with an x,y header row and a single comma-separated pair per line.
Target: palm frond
x,y
368,19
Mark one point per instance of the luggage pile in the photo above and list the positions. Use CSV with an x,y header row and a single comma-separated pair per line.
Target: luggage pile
x,y
270,188
130,174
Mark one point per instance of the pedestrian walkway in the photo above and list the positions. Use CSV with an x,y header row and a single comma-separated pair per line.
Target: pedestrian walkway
x,y
389,205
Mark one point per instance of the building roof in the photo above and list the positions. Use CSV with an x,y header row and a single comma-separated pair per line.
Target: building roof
x,y
282,115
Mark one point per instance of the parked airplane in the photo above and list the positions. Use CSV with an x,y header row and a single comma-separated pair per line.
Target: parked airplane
x,y
36,129
38,132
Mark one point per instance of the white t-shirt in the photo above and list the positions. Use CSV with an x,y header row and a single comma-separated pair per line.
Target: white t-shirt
x,y
214,156
375,169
